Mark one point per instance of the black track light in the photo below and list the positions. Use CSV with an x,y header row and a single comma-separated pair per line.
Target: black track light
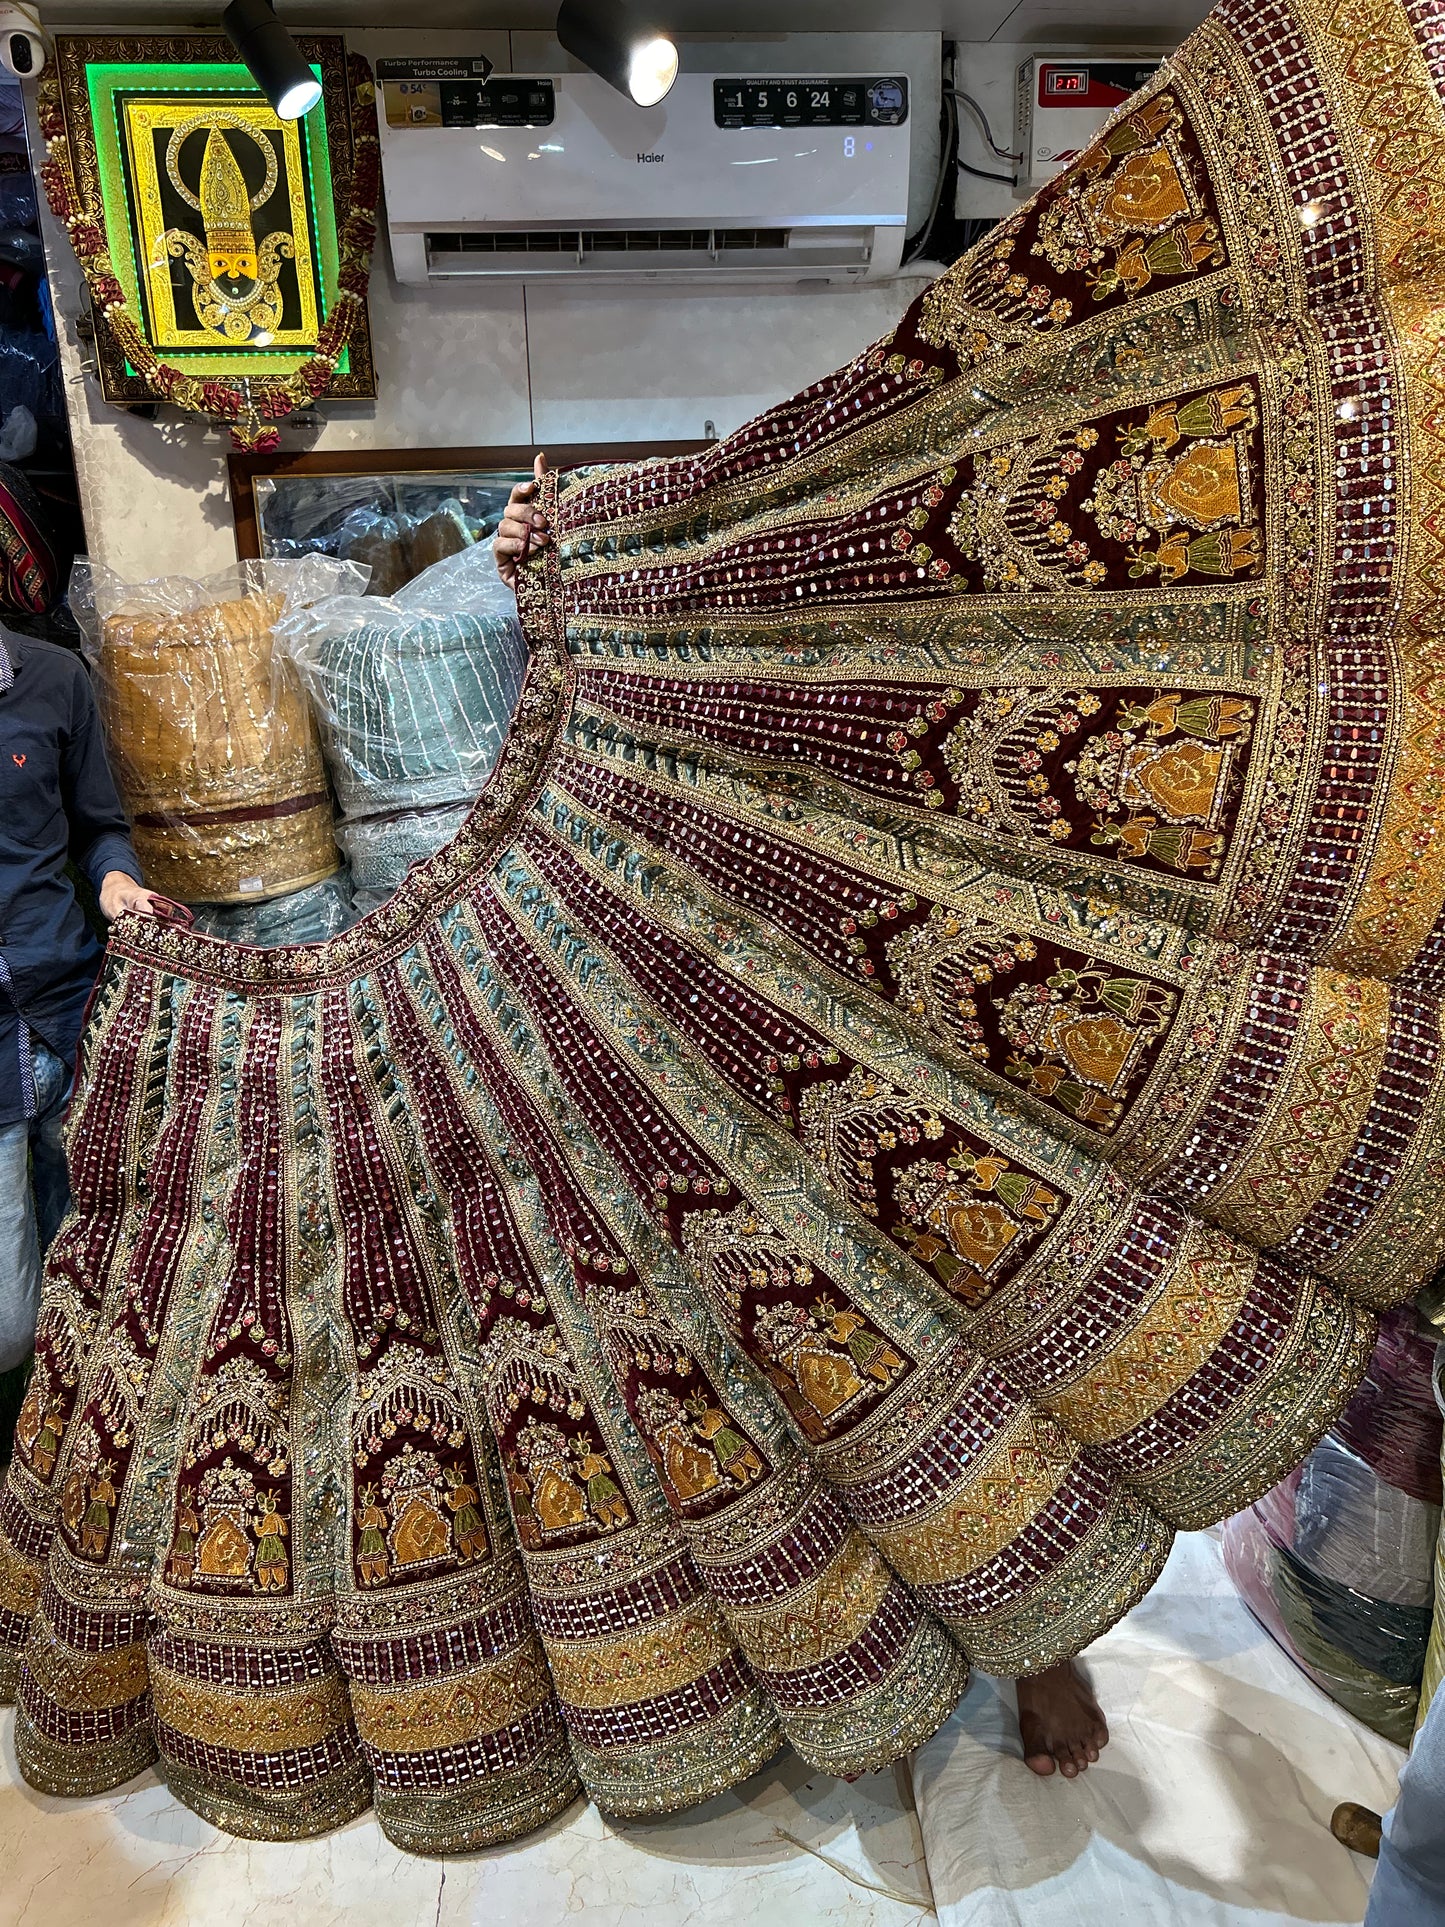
x,y
622,46
275,61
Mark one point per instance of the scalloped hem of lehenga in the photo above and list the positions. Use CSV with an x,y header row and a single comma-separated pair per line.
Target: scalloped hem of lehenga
x,y
70,1773
1119,1607
468,1831
328,1804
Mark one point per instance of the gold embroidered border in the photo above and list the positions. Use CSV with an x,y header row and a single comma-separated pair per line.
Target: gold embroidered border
x,y
450,1712
655,1659
819,1619
1390,98
1404,1238
1200,1300
21,1581
84,1682
979,1519
1317,1112
250,1722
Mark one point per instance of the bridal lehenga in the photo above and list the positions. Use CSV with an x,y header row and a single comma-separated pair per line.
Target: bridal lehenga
x,y
907,1090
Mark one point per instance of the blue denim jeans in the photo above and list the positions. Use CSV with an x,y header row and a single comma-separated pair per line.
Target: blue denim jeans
x,y
1409,1884
34,1194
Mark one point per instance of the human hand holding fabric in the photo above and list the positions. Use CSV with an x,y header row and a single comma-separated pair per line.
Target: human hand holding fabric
x,y
523,526
120,893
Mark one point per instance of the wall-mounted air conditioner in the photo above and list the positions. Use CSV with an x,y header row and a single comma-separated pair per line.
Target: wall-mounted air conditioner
x,y
792,173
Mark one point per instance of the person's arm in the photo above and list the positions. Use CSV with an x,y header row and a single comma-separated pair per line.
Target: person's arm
x,y
99,834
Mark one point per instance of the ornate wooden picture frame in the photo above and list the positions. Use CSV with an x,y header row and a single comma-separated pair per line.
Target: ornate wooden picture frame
x,y
221,225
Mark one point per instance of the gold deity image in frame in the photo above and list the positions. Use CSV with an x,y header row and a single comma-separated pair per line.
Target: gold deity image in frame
x,y
220,219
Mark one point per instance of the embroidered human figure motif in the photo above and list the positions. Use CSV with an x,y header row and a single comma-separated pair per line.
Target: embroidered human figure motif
x,y
28,1421
372,1521
1083,1033
181,1560
46,1445
871,1354
799,1347
604,1495
1129,771
555,1499
224,1550
1080,1034
689,1468
96,1522
421,1534
960,1217
739,1459
73,1496
272,1565
467,1522
1135,207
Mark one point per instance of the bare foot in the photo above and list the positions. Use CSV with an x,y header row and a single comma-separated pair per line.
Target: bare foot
x,y
1059,1721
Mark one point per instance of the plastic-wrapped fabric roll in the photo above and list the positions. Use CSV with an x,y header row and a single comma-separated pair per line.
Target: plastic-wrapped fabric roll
x,y
1384,1638
381,849
1253,1562
1353,1527
417,710
311,915
1393,1422
1338,1560
413,696
215,751
436,536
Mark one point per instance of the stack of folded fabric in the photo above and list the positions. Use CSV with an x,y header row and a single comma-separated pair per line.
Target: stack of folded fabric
x,y
214,749
412,696
312,914
1338,1561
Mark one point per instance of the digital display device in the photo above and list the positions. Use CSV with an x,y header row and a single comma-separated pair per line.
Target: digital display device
x,y
854,102
462,93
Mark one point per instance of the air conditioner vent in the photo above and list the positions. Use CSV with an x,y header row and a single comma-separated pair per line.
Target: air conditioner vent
x,y
586,241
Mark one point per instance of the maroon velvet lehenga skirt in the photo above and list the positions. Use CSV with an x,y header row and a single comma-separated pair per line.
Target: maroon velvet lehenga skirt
x,y
905,1092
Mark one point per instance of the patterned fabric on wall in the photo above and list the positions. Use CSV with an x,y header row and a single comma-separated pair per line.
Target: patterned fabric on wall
x,y
905,1091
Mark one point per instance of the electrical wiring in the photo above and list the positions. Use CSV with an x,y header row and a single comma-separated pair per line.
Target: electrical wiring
x,y
1003,153
948,152
979,173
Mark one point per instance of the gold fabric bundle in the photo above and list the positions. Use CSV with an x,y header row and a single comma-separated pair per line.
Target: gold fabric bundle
x,y
215,752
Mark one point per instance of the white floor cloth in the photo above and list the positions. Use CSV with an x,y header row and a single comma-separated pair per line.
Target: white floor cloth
x,y
1209,1808
1211,1805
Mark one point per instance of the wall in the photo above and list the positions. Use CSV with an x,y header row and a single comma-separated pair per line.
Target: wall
x,y
469,364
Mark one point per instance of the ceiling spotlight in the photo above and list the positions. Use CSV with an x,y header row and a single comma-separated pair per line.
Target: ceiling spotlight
x,y
275,61
623,47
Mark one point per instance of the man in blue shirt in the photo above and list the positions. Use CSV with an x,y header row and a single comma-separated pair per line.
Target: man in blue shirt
x,y
58,804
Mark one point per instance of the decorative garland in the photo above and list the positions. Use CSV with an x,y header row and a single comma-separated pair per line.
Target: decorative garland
x,y
267,399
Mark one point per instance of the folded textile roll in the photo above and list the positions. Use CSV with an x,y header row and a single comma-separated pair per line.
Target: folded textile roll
x,y
1393,1422
1353,1527
1253,1563
381,849
414,714
412,697
1384,1638
215,752
309,915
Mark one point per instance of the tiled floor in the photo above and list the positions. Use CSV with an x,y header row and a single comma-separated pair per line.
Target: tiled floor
x,y
1211,1806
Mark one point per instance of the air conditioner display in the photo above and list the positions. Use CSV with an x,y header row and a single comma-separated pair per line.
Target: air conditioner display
x,y
855,102
462,93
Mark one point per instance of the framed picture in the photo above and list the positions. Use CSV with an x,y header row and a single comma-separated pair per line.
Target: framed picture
x,y
220,220
395,510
